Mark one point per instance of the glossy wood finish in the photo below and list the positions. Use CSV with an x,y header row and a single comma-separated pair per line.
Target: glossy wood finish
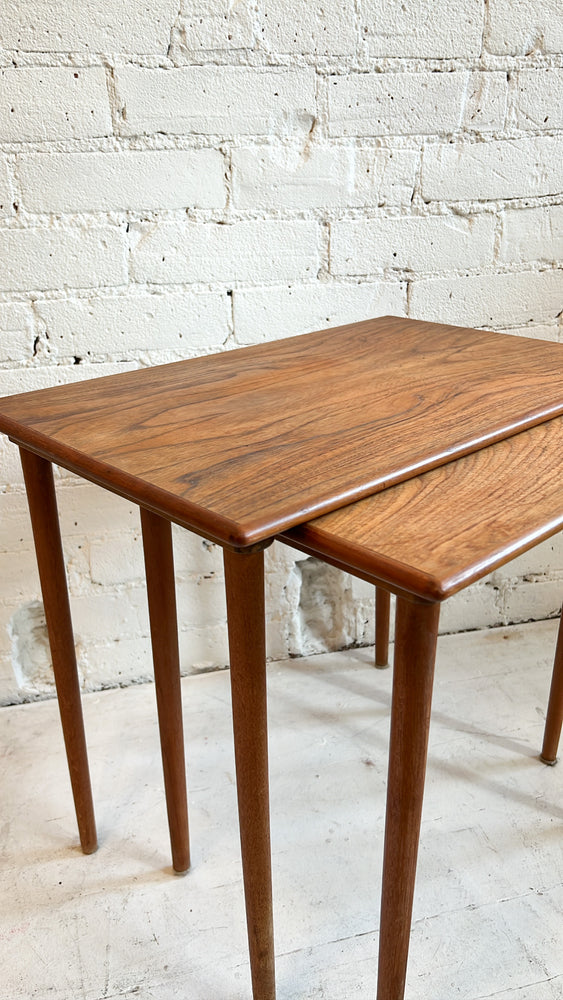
x,y
413,673
161,593
38,475
426,539
244,581
554,718
437,533
230,445
382,611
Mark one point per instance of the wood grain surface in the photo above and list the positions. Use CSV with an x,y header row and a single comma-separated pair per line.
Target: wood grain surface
x,y
436,533
242,445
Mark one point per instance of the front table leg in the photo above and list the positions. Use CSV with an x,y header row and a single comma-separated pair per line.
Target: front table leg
x,y
416,632
38,476
161,594
244,581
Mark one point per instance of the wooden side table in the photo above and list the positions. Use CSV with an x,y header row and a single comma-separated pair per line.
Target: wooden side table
x,y
240,447
425,540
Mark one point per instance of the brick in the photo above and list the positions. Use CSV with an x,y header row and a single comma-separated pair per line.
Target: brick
x,y
105,182
421,29
106,26
518,29
532,234
486,102
547,557
421,244
203,649
244,251
532,600
221,25
271,313
16,332
312,28
516,168
54,103
292,177
132,324
6,194
117,559
115,663
369,104
216,100
195,555
19,580
384,176
495,300
538,99
10,465
475,607
53,258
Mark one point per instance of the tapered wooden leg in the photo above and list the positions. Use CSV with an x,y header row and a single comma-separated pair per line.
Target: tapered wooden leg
x,y
161,593
416,632
382,606
555,705
38,476
244,580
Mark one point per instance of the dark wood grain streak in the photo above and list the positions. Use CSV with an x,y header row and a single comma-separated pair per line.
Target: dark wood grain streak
x,y
439,532
242,445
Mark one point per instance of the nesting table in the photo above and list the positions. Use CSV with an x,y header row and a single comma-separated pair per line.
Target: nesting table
x,y
244,447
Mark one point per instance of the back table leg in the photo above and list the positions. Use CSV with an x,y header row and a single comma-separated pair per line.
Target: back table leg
x,y
382,611
161,594
38,475
244,580
555,705
416,632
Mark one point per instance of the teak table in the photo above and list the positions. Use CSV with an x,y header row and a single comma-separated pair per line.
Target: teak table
x,y
425,540
240,447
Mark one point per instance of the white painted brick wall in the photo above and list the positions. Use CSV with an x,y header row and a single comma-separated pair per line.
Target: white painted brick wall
x,y
525,27
396,103
54,102
414,244
496,170
423,30
129,181
180,178
201,100
257,250
51,258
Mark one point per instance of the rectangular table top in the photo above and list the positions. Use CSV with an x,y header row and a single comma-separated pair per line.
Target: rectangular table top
x,y
245,444
463,519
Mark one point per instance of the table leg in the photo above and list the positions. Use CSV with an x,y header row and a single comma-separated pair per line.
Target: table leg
x,y
38,476
416,633
555,705
382,609
244,580
161,594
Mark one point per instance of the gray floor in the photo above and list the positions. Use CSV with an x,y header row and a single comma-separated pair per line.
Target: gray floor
x,y
488,918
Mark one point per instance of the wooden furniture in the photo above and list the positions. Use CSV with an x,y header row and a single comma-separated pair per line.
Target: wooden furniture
x,y
240,447
425,540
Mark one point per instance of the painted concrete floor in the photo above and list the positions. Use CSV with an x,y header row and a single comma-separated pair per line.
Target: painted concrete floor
x,y
488,918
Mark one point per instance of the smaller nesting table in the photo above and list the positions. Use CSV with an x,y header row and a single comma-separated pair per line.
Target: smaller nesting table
x,y
424,540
